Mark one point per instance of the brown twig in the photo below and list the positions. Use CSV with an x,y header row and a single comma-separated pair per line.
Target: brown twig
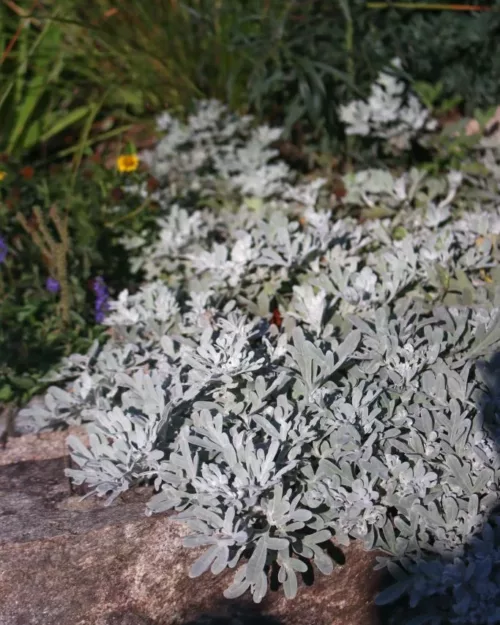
x,y
15,36
7,415
55,251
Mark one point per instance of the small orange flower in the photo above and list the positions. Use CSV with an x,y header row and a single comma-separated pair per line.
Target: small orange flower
x,y
27,172
127,162
2,175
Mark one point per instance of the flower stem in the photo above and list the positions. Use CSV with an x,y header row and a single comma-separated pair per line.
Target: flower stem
x,y
428,6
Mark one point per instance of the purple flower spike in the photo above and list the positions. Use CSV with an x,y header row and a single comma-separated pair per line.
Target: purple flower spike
x,y
3,250
52,285
101,299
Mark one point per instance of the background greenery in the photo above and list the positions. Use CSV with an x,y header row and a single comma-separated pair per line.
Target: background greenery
x,y
34,333
290,61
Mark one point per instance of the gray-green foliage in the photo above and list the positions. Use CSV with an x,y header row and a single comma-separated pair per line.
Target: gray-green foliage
x,y
362,416
389,113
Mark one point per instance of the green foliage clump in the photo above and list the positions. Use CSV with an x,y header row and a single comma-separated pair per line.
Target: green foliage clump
x,y
290,62
464,57
58,238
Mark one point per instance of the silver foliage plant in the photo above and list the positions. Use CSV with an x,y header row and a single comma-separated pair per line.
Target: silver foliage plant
x,y
362,415
390,112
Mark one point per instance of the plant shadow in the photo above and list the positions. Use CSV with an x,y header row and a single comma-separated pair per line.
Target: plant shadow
x,y
236,613
240,614
460,579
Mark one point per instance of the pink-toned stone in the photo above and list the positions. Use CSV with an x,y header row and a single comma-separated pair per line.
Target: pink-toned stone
x,y
472,127
494,120
38,446
67,562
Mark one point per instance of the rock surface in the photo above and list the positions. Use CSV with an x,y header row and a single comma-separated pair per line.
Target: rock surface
x,y
40,446
69,562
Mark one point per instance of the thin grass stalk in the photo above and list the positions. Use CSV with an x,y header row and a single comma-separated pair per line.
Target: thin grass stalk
x,y
16,35
350,65
428,6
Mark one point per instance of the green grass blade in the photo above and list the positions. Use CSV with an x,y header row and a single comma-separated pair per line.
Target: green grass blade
x,y
61,123
94,110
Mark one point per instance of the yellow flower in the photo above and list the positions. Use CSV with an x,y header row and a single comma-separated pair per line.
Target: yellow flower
x,y
493,238
484,276
127,162
2,175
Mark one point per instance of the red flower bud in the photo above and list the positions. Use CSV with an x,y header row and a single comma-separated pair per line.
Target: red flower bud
x,y
117,194
152,184
27,172
277,319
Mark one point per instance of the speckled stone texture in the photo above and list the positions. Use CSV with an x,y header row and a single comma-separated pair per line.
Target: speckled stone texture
x,y
69,562
40,446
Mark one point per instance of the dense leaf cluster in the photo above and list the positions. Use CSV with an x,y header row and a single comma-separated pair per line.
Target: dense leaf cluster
x,y
285,377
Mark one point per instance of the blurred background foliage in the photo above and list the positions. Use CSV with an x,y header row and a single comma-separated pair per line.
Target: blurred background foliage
x,y
289,61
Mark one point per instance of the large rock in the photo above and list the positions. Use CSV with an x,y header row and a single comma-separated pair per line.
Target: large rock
x,y
40,446
64,561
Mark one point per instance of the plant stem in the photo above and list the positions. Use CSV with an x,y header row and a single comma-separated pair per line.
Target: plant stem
x,y
55,251
427,6
135,212
15,37
61,252
350,66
